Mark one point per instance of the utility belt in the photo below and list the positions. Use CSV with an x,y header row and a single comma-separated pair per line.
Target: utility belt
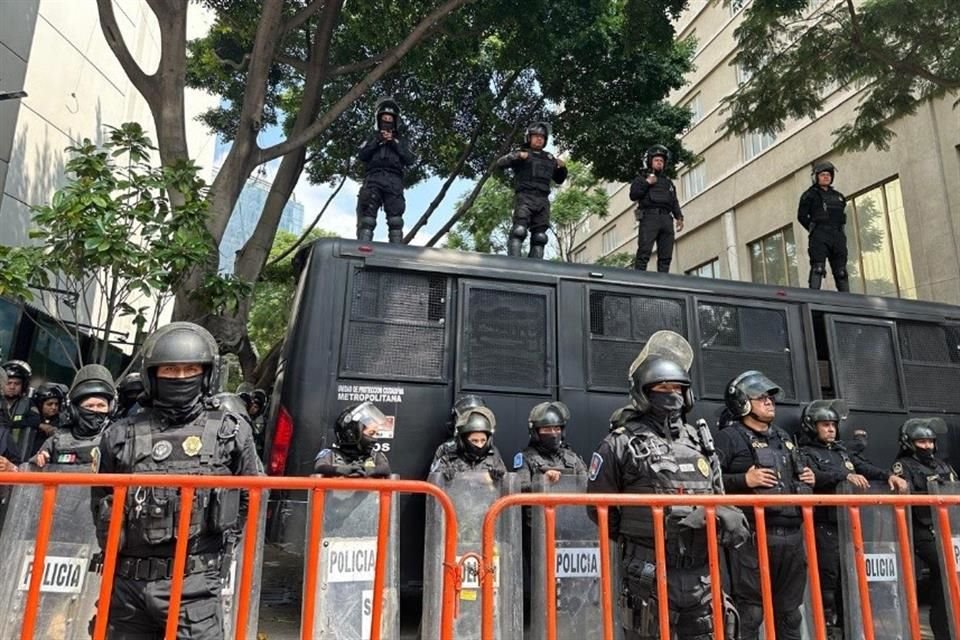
x,y
643,212
383,172
162,568
690,559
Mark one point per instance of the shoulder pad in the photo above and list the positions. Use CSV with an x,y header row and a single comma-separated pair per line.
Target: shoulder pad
x,y
229,427
518,461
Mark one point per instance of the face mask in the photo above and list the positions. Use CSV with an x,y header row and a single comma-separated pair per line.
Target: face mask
x,y
665,403
550,442
473,452
178,399
89,422
924,454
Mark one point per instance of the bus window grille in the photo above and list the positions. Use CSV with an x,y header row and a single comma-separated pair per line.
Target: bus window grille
x,y
866,365
930,359
505,341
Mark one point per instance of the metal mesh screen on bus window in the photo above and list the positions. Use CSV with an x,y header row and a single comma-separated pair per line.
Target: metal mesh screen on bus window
x,y
396,325
930,365
736,339
867,366
619,328
505,339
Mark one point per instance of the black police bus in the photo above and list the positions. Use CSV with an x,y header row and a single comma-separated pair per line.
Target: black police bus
x,y
412,328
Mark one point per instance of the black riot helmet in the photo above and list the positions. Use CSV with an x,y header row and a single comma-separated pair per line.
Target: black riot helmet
x,y
820,167
653,371
180,343
130,387
653,152
92,380
18,369
822,411
747,386
230,402
475,420
536,128
387,106
920,429
547,414
352,423
48,392
463,403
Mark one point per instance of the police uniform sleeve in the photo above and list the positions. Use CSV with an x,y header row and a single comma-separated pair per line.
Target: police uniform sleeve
x,y
521,467
508,160
101,498
369,147
604,477
406,155
675,202
825,479
727,445
48,447
867,469
381,468
639,188
247,462
326,465
804,214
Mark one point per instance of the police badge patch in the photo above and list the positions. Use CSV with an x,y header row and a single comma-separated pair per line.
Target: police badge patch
x,y
704,467
898,468
849,465
161,450
596,461
518,461
95,460
192,445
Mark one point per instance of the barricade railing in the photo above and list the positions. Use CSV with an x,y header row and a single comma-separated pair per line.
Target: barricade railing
x,y
254,485
659,502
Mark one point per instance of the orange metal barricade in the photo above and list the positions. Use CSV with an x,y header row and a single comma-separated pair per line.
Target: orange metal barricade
x,y
658,502
255,486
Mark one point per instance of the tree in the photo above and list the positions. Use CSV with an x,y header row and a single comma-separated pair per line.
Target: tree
x,y
579,198
486,226
623,259
112,241
897,54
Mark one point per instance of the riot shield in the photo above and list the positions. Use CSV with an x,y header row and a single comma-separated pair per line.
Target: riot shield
x,y
343,603
577,566
885,576
233,560
947,489
472,494
69,590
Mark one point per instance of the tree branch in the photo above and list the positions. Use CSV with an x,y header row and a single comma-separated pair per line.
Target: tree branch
x,y
390,60
353,67
302,16
261,58
145,84
306,232
296,63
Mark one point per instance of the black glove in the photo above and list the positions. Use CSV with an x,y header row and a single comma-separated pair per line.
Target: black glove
x,y
497,474
734,529
449,474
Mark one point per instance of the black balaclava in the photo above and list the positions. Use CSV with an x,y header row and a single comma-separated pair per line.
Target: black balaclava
x,y
178,400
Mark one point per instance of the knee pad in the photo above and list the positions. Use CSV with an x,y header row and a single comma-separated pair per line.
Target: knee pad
x,y
790,619
518,231
751,617
394,221
366,221
539,238
841,274
819,268
696,624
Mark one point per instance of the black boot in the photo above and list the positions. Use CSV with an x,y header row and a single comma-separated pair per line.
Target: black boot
x,y
395,236
364,234
514,247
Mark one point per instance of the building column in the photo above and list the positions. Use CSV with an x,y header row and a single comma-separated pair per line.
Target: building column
x,y
731,248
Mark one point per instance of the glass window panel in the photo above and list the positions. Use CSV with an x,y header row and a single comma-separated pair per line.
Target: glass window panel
x,y
756,261
793,271
901,240
773,258
53,354
875,249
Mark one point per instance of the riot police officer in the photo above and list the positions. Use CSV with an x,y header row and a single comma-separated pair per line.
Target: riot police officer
x,y
474,450
385,156
822,212
533,170
658,210
48,400
758,457
918,464
652,450
92,397
16,409
128,392
178,432
548,453
833,464
353,455
463,403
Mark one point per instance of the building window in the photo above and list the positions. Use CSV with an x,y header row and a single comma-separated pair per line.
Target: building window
x,y
879,261
609,240
694,181
755,143
579,256
773,258
743,75
707,270
695,105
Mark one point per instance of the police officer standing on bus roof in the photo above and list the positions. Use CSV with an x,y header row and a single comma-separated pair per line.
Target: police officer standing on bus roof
x,y
353,455
548,453
833,465
48,400
658,210
386,155
652,450
822,212
918,464
533,171
475,427
180,431
757,457
92,396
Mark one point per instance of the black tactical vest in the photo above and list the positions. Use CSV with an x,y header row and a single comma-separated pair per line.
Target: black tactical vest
x,y
654,464
536,173
197,448
774,451
71,449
